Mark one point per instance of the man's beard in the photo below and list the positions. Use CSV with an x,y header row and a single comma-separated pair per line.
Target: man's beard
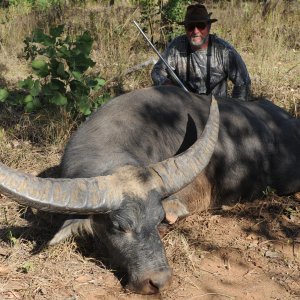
x,y
198,44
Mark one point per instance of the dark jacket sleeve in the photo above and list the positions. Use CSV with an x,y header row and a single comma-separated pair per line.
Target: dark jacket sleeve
x,y
159,72
238,74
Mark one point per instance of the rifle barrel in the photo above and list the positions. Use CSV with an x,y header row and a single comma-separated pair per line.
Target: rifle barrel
x,y
159,55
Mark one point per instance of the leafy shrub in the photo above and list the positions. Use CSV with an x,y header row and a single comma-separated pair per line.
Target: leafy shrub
x,y
146,4
39,4
3,95
171,12
175,10
42,4
59,65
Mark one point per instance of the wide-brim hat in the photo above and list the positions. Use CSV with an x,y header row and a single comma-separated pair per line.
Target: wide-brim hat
x,y
197,13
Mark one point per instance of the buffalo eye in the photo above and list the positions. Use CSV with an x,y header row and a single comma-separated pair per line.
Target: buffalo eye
x,y
116,226
120,227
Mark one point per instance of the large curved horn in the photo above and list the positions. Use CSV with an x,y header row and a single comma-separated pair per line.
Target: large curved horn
x,y
77,195
178,171
92,195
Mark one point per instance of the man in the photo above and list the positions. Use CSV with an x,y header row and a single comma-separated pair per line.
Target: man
x,y
202,61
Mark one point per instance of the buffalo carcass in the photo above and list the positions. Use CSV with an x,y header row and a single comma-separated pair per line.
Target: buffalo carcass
x,y
132,164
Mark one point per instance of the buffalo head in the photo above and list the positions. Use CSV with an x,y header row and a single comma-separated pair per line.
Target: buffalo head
x,y
125,207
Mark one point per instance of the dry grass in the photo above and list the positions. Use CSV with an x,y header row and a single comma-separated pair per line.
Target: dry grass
x,y
202,250
269,44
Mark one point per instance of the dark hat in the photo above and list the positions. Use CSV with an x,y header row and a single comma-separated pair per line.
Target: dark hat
x,y
197,13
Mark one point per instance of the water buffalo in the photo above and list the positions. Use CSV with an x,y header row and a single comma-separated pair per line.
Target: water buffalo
x,y
139,159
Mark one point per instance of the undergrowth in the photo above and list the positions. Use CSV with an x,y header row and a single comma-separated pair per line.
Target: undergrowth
x,y
267,39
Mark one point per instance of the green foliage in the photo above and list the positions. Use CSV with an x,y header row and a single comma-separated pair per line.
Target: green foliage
x,y
59,65
147,4
42,4
175,10
3,95
37,4
171,12
269,191
26,267
13,240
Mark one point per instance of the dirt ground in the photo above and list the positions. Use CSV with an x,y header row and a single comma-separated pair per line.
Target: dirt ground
x,y
248,251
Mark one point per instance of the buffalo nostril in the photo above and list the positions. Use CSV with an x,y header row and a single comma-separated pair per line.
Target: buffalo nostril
x,y
160,280
154,286
153,283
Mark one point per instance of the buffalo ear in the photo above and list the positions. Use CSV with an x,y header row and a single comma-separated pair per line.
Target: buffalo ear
x,y
72,227
174,209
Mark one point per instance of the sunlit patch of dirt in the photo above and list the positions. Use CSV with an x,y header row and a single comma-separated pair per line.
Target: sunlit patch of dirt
x,y
249,251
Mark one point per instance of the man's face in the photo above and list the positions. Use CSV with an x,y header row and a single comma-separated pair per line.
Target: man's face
x,y
197,34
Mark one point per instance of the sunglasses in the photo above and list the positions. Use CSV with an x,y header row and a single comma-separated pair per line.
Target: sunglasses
x,y
200,25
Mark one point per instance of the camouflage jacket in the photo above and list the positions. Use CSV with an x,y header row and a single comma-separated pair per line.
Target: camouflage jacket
x,y
225,63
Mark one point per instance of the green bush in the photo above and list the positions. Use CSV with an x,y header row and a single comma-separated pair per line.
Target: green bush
x,y
3,95
42,4
39,4
171,12
59,64
175,10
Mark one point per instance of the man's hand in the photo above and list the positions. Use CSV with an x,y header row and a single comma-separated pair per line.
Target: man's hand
x,y
168,82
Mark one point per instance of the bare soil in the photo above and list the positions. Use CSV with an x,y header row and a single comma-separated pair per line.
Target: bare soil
x,y
248,251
